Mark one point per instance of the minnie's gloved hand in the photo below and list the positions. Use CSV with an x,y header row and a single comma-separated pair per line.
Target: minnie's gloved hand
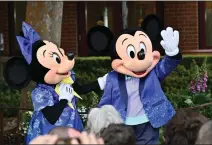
x,y
102,81
170,41
66,92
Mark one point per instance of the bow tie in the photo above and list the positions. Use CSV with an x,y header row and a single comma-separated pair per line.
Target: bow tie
x,y
128,77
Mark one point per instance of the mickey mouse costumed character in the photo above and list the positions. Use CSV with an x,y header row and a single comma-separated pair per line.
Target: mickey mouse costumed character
x,y
54,99
134,88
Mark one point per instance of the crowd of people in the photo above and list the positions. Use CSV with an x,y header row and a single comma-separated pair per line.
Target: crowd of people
x,y
105,126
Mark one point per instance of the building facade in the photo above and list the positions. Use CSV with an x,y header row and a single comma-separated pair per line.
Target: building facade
x,y
193,20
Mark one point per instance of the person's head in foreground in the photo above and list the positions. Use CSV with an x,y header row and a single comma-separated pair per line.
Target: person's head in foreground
x,y
184,127
64,134
84,138
205,134
100,118
118,134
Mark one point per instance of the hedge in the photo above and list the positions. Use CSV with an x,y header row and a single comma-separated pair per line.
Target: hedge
x,y
87,69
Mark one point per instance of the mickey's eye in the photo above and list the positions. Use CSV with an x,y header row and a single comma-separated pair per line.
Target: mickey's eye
x,y
142,47
131,51
56,58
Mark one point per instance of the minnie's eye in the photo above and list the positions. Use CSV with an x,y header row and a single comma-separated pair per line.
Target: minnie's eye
x,y
56,58
142,47
131,51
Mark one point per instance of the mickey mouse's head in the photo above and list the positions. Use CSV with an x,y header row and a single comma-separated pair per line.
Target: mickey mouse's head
x,y
132,50
43,61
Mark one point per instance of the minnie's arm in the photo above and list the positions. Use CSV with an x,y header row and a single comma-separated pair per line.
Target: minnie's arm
x,y
43,101
52,113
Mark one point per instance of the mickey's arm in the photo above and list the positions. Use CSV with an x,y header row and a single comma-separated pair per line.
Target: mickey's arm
x,y
106,98
173,56
86,88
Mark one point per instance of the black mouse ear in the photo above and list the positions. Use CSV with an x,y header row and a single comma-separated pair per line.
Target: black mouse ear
x,y
99,38
152,26
16,73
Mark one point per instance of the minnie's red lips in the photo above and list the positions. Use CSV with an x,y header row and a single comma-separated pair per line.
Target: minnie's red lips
x,y
139,73
63,73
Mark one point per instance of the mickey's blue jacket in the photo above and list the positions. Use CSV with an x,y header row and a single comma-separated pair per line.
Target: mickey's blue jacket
x,y
157,107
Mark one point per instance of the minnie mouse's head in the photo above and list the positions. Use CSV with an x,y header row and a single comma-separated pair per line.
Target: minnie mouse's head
x,y
44,62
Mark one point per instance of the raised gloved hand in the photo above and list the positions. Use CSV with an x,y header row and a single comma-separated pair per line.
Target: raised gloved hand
x,y
170,41
102,81
66,92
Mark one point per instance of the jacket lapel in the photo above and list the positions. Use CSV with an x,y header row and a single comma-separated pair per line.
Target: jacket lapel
x,y
122,88
141,86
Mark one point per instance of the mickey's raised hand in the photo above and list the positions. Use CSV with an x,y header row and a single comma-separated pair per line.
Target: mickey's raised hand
x,y
66,92
170,41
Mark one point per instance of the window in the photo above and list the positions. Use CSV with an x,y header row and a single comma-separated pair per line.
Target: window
x,y
208,23
205,25
109,14
98,13
137,10
92,13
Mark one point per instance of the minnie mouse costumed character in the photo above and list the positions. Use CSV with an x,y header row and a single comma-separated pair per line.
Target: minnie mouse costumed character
x,y
54,99
134,88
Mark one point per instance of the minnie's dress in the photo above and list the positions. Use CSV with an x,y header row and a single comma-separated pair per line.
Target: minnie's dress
x,y
43,96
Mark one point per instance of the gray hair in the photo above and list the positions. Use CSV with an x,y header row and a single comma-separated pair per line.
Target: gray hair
x,y
205,134
100,118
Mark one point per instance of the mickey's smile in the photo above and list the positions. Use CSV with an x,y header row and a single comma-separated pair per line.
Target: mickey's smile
x,y
139,73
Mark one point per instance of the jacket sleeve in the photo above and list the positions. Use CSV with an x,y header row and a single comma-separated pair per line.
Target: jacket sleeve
x,y
106,98
167,65
84,88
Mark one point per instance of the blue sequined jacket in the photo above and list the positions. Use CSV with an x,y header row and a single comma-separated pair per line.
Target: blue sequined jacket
x,y
157,107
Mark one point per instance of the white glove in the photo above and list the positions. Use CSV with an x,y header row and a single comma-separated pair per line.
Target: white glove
x,y
102,81
66,92
170,41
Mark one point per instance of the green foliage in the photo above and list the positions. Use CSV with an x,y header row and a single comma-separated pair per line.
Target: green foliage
x,y
8,98
179,93
26,117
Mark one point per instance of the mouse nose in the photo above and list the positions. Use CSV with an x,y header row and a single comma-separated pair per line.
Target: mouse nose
x,y
141,54
70,56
